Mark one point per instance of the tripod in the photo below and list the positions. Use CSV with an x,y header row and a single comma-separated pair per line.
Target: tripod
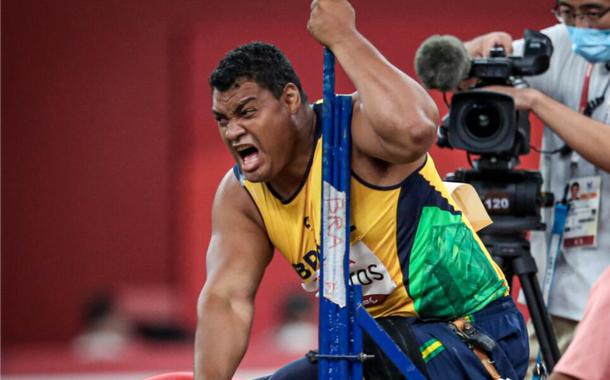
x,y
512,253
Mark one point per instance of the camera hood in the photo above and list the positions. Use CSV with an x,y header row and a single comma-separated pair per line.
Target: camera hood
x,y
483,122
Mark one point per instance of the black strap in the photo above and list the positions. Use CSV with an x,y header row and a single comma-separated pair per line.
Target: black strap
x,y
381,367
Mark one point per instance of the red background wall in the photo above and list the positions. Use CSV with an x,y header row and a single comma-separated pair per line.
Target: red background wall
x,y
110,157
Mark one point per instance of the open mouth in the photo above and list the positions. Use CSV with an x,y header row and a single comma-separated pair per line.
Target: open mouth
x,y
247,151
249,157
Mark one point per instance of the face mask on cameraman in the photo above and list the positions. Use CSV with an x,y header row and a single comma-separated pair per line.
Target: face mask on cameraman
x,y
592,44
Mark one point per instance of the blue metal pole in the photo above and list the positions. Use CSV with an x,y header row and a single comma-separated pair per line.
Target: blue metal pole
x,y
334,337
327,308
356,341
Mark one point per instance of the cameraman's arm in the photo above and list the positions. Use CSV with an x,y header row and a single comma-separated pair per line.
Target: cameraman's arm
x,y
590,138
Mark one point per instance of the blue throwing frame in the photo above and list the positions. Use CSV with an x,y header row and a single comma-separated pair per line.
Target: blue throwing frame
x,y
342,315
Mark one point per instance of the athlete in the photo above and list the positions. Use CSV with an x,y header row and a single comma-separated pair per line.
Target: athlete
x,y
413,250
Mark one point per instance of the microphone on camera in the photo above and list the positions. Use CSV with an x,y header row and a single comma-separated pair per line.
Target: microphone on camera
x,y
442,62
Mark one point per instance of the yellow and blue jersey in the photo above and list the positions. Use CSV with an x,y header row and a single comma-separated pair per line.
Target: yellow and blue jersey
x,y
412,249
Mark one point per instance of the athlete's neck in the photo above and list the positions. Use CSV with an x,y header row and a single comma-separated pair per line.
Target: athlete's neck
x,y
292,177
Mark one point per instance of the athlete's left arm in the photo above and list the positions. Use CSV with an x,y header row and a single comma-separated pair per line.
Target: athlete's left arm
x,y
590,138
394,118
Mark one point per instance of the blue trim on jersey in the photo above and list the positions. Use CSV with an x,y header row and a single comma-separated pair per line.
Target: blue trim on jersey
x,y
415,194
238,174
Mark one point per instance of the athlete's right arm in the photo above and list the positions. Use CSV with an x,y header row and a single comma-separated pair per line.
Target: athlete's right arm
x,y
238,253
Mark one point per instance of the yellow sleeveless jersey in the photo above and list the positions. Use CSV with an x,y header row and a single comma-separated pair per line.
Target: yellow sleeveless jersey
x,y
412,249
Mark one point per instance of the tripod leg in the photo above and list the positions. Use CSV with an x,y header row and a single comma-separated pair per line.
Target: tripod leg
x,y
525,269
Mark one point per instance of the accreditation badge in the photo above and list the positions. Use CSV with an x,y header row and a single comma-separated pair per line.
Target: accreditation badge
x,y
583,216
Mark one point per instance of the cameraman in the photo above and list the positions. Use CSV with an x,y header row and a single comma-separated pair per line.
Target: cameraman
x,y
572,100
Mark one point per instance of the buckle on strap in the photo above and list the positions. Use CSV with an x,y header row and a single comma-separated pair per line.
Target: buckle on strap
x,y
481,344
469,334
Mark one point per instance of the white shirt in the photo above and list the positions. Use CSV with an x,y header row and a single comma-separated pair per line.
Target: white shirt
x,y
578,267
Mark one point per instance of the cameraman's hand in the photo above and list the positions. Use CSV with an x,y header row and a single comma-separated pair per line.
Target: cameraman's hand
x,y
524,97
331,21
482,45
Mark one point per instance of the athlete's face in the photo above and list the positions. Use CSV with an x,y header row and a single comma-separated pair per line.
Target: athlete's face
x,y
256,127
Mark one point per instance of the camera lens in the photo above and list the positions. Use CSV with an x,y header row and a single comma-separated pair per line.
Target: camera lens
x,y
482,120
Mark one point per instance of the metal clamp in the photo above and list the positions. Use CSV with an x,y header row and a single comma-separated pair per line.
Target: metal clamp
x,y
313,357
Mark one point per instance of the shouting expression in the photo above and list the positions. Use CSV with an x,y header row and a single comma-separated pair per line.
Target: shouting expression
x,y
256,127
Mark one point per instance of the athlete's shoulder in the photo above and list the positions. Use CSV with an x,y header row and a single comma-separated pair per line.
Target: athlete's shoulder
x,y
232,196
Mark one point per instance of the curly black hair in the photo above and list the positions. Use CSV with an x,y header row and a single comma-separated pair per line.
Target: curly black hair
x,y
259,61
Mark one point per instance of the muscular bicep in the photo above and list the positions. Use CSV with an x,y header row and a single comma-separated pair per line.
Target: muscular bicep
x,y
403,140
239,249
